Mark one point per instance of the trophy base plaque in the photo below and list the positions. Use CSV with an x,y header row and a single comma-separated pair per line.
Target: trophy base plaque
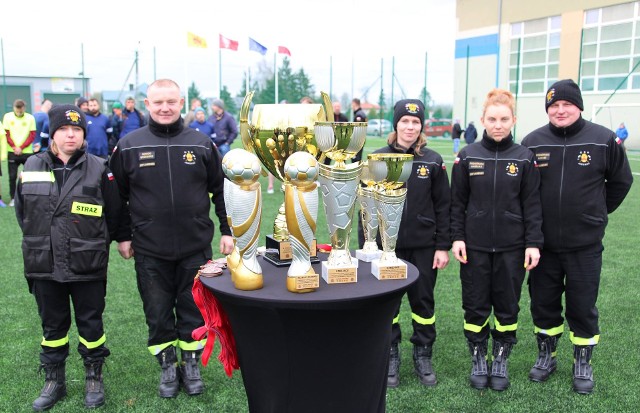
x,y
368,256
303,283
283,255
389,272
340,275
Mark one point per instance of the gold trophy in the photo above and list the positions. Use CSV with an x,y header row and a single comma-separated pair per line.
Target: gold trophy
x,y
301,212
368,217
243,202
390,171
340,141
274,133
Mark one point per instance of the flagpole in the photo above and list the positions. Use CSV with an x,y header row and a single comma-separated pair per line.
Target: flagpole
x,y
187,106
219,69
331,76
275,72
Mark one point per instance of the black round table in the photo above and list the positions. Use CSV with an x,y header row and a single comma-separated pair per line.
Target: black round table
x,y
325,351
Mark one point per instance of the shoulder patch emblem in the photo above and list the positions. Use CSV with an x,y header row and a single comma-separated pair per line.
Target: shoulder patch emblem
x,y
584,158
189,158
512,169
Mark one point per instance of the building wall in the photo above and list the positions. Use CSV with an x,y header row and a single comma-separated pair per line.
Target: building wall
x,y
483,43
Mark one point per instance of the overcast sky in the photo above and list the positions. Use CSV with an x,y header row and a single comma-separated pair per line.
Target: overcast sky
x,y
357,36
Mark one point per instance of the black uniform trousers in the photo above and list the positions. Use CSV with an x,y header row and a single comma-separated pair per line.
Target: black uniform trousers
x,y
14,162
492,281
88,299
421,298
165,288
577,275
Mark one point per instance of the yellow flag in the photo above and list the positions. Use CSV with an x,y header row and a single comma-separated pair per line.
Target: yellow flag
x,y
196,41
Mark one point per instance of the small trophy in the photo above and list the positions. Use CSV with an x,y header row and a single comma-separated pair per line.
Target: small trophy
x,y
368,217
301,212
390,171
274,133
340,141
243,202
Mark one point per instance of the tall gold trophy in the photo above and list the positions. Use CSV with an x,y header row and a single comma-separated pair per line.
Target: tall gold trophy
x,y
340,141
274,133
368,217
243,202
390,171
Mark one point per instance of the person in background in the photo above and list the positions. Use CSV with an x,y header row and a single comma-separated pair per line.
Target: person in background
x,y
20,128
99,130
201,124
496,221
338,116
456,133
470,134
423,236
115,120
225,128
306,99
41,141
83,104
622,133
191,115
178,171
3,135
132,118
585,176
67,205
358,116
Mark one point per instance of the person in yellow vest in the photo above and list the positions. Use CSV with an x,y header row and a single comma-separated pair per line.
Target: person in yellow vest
x,y
2,137
20,128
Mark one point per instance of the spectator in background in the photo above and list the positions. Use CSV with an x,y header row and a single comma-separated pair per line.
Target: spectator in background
x,y
83,104
201,124
338,116
456,133
3,135
99,130
20,128
115,120
306,99
191,116
225,128
41,141
470,134
622,134
358,116
132,118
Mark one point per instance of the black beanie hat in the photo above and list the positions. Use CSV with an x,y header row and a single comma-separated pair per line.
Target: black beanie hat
x,y
567,90
411,107
61,115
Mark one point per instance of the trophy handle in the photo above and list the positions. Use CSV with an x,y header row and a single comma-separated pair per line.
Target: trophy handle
x,y
244,122
328,106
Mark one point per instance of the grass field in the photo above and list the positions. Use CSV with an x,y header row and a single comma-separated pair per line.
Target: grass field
x,y
131,374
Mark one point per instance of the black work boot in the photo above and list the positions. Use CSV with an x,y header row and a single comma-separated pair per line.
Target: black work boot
x,y
582,371
546,362
499,371
169,380
54,388
422,365
190,372
479,373
393,376
93,385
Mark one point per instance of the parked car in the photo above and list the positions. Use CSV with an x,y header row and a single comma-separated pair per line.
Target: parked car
x,y
373,128
438,127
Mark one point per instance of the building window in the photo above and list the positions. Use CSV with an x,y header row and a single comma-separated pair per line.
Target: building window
x,y
611,48
534,54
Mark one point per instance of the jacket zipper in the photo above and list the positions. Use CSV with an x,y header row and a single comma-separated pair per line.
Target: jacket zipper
x,y
493,204
173,207
564,150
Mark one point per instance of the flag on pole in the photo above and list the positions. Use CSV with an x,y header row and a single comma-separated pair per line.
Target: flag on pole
x,y
284,50
196,41
228,43
257,47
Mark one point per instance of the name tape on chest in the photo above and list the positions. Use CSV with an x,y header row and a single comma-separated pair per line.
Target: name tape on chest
x,y
37,176
91,210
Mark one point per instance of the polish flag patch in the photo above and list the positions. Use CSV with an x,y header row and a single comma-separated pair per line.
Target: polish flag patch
x,y
618,141
110,176
457,160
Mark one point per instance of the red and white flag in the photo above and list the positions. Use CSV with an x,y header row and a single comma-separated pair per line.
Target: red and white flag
x,y
284,50
226,43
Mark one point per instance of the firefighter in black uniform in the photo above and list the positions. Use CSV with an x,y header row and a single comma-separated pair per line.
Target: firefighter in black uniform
x,y
496,226
585,176
167,172
423,237
68,206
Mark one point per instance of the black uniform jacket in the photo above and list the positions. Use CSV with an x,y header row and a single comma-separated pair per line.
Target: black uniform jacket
x,y
167,173
585,175
425,217
495,197
66,213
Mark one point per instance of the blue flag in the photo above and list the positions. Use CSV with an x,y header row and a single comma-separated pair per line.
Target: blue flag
x,y
257,47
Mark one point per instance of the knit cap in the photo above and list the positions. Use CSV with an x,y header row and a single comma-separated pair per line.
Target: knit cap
x,y
411,107
62,115
565,89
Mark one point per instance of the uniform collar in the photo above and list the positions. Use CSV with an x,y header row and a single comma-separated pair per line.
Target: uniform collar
x,y
492,145
570,130
166,131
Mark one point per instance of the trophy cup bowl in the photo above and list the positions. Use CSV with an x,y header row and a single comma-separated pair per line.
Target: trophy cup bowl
x,y
274,133
368,216
340,141
389,172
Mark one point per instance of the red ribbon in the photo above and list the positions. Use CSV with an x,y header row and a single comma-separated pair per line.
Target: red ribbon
x,y
216,324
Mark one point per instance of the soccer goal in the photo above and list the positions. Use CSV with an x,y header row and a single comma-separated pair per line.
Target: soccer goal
x,y
613,114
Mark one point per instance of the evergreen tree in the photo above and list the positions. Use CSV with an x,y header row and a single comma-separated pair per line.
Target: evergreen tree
x,y
229,102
